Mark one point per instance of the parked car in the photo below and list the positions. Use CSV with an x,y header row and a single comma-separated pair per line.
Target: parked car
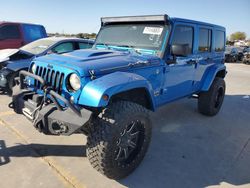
x,y
231,54
246,50
246,58
240,53
16,35
14,60
135,66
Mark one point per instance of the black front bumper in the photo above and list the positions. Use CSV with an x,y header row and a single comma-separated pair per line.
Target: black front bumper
x,y
51,118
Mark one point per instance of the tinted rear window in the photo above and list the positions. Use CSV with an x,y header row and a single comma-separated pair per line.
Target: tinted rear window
x,y
83,45
33,32
10,32
219,39
183,35
205,40
64,48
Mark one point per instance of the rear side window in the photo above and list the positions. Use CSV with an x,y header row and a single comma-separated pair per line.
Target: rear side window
x,y
219,39
205,40
64,48
183,35
33,32
10,32
83,45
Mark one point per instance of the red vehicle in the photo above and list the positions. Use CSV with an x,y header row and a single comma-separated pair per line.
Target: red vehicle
x,y
15,35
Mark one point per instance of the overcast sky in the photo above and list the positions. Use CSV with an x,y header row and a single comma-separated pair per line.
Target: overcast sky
x,y
77,16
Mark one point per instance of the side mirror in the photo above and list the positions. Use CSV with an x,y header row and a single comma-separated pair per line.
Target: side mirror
x,y
180,49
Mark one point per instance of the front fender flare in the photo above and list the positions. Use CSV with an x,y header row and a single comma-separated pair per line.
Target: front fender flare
x,y
110,85
18,65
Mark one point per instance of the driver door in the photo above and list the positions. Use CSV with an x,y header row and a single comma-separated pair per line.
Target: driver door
x,y
179,75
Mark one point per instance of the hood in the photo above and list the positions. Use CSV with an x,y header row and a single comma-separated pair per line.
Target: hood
x,y
99,61
19,58
5,54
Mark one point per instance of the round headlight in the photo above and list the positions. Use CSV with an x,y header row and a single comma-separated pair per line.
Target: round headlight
x,y
75,82
33,68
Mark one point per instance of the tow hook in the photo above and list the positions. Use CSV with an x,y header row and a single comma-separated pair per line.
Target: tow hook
x,y
58,127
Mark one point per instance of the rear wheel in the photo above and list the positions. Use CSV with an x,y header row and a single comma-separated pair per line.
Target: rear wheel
x,y
118,139
209,102
235,59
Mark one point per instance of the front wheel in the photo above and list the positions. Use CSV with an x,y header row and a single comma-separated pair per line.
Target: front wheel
x,y
118,139
209,102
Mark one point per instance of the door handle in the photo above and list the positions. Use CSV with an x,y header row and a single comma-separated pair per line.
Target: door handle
x,y
192,62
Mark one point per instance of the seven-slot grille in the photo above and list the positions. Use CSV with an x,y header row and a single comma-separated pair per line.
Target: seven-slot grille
x,y
52,78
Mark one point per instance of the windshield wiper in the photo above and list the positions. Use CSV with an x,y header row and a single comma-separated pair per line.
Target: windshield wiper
x,y
125,46
129,46
102,44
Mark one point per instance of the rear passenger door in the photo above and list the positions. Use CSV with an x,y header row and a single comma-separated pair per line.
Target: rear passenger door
x,y
211,47
204,53
10,36
179,75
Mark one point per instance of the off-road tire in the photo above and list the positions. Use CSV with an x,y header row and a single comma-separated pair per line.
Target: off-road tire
x,y
106,131
209,102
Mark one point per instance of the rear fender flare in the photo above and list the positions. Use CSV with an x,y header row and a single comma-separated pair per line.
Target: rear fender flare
x,y
210,76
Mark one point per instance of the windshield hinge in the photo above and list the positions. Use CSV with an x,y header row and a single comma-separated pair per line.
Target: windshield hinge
x,y
92,74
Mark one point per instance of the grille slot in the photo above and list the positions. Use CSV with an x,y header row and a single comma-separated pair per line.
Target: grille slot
x,y
52,78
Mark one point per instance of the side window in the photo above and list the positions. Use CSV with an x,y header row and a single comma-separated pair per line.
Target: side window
x,y
205,40
63,48
219,39
184,35
33,32
10,32
83,45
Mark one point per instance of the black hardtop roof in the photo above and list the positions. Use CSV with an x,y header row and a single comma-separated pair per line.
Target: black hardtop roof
x,y
196,22
152,18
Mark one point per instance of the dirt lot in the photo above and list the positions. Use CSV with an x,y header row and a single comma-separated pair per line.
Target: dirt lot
x,y
187,149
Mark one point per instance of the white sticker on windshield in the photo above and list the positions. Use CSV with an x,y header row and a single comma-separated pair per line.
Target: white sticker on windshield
x,y
153,30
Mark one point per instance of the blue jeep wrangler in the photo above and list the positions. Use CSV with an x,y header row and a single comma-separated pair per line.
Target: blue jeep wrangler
x,y
136,65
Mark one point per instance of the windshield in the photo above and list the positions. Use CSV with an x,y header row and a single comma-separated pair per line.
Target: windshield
x,y
141,36
38,46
